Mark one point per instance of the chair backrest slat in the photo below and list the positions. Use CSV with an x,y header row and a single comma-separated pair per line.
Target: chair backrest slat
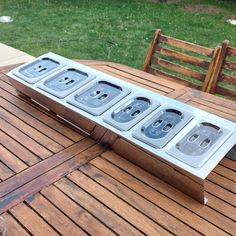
x,y
231,52
186,45
224,82
173,77
226,92
229,65
179,69
183,61
184,57
228,79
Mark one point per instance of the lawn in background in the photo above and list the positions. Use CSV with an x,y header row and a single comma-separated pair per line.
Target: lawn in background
x,y
111,30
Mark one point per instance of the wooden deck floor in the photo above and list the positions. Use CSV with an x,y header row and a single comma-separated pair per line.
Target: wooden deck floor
x,y
56,181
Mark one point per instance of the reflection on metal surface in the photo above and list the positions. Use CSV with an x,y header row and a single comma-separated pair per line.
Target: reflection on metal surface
x,y
98,97
197,146
162,127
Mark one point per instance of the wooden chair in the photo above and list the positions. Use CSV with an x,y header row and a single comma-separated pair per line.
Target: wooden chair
x,y
181,61
223,78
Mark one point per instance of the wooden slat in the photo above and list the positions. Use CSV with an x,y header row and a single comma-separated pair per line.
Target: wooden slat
x,y
211,215
215,100
13,227
179,69
138,201
24,154
220,108
53,216
183,57
151,50
226,92
186,45
231,52
173,78
97,208
130,214
229,79
29,130
229,65
47,178
222,181
230,174
31,221
39,114
230,164
54,140
220,193
221,206
211,110
10,160
26,141
75,212
5,172
145,76
34,172
157,198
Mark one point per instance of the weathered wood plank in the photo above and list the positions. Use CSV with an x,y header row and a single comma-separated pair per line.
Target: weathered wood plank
x,y
207,213
221,193
24,140
220,108
53,216
47,178
154,89
230,164
24,154
120,207
75,212
47,119
231,52
22,119
230,174
155,197
179,69
5,172
215,100
31,221
173,78
97,208
145,76
137,79
221,206
137,201
186,45
34,172
183,57
10,160
151,50
13,227
212,110
222,181
228,79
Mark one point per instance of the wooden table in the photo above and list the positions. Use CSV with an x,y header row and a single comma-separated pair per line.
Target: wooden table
x,y
55,180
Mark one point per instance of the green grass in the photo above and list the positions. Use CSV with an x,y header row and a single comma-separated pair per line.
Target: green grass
x,y
109,30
